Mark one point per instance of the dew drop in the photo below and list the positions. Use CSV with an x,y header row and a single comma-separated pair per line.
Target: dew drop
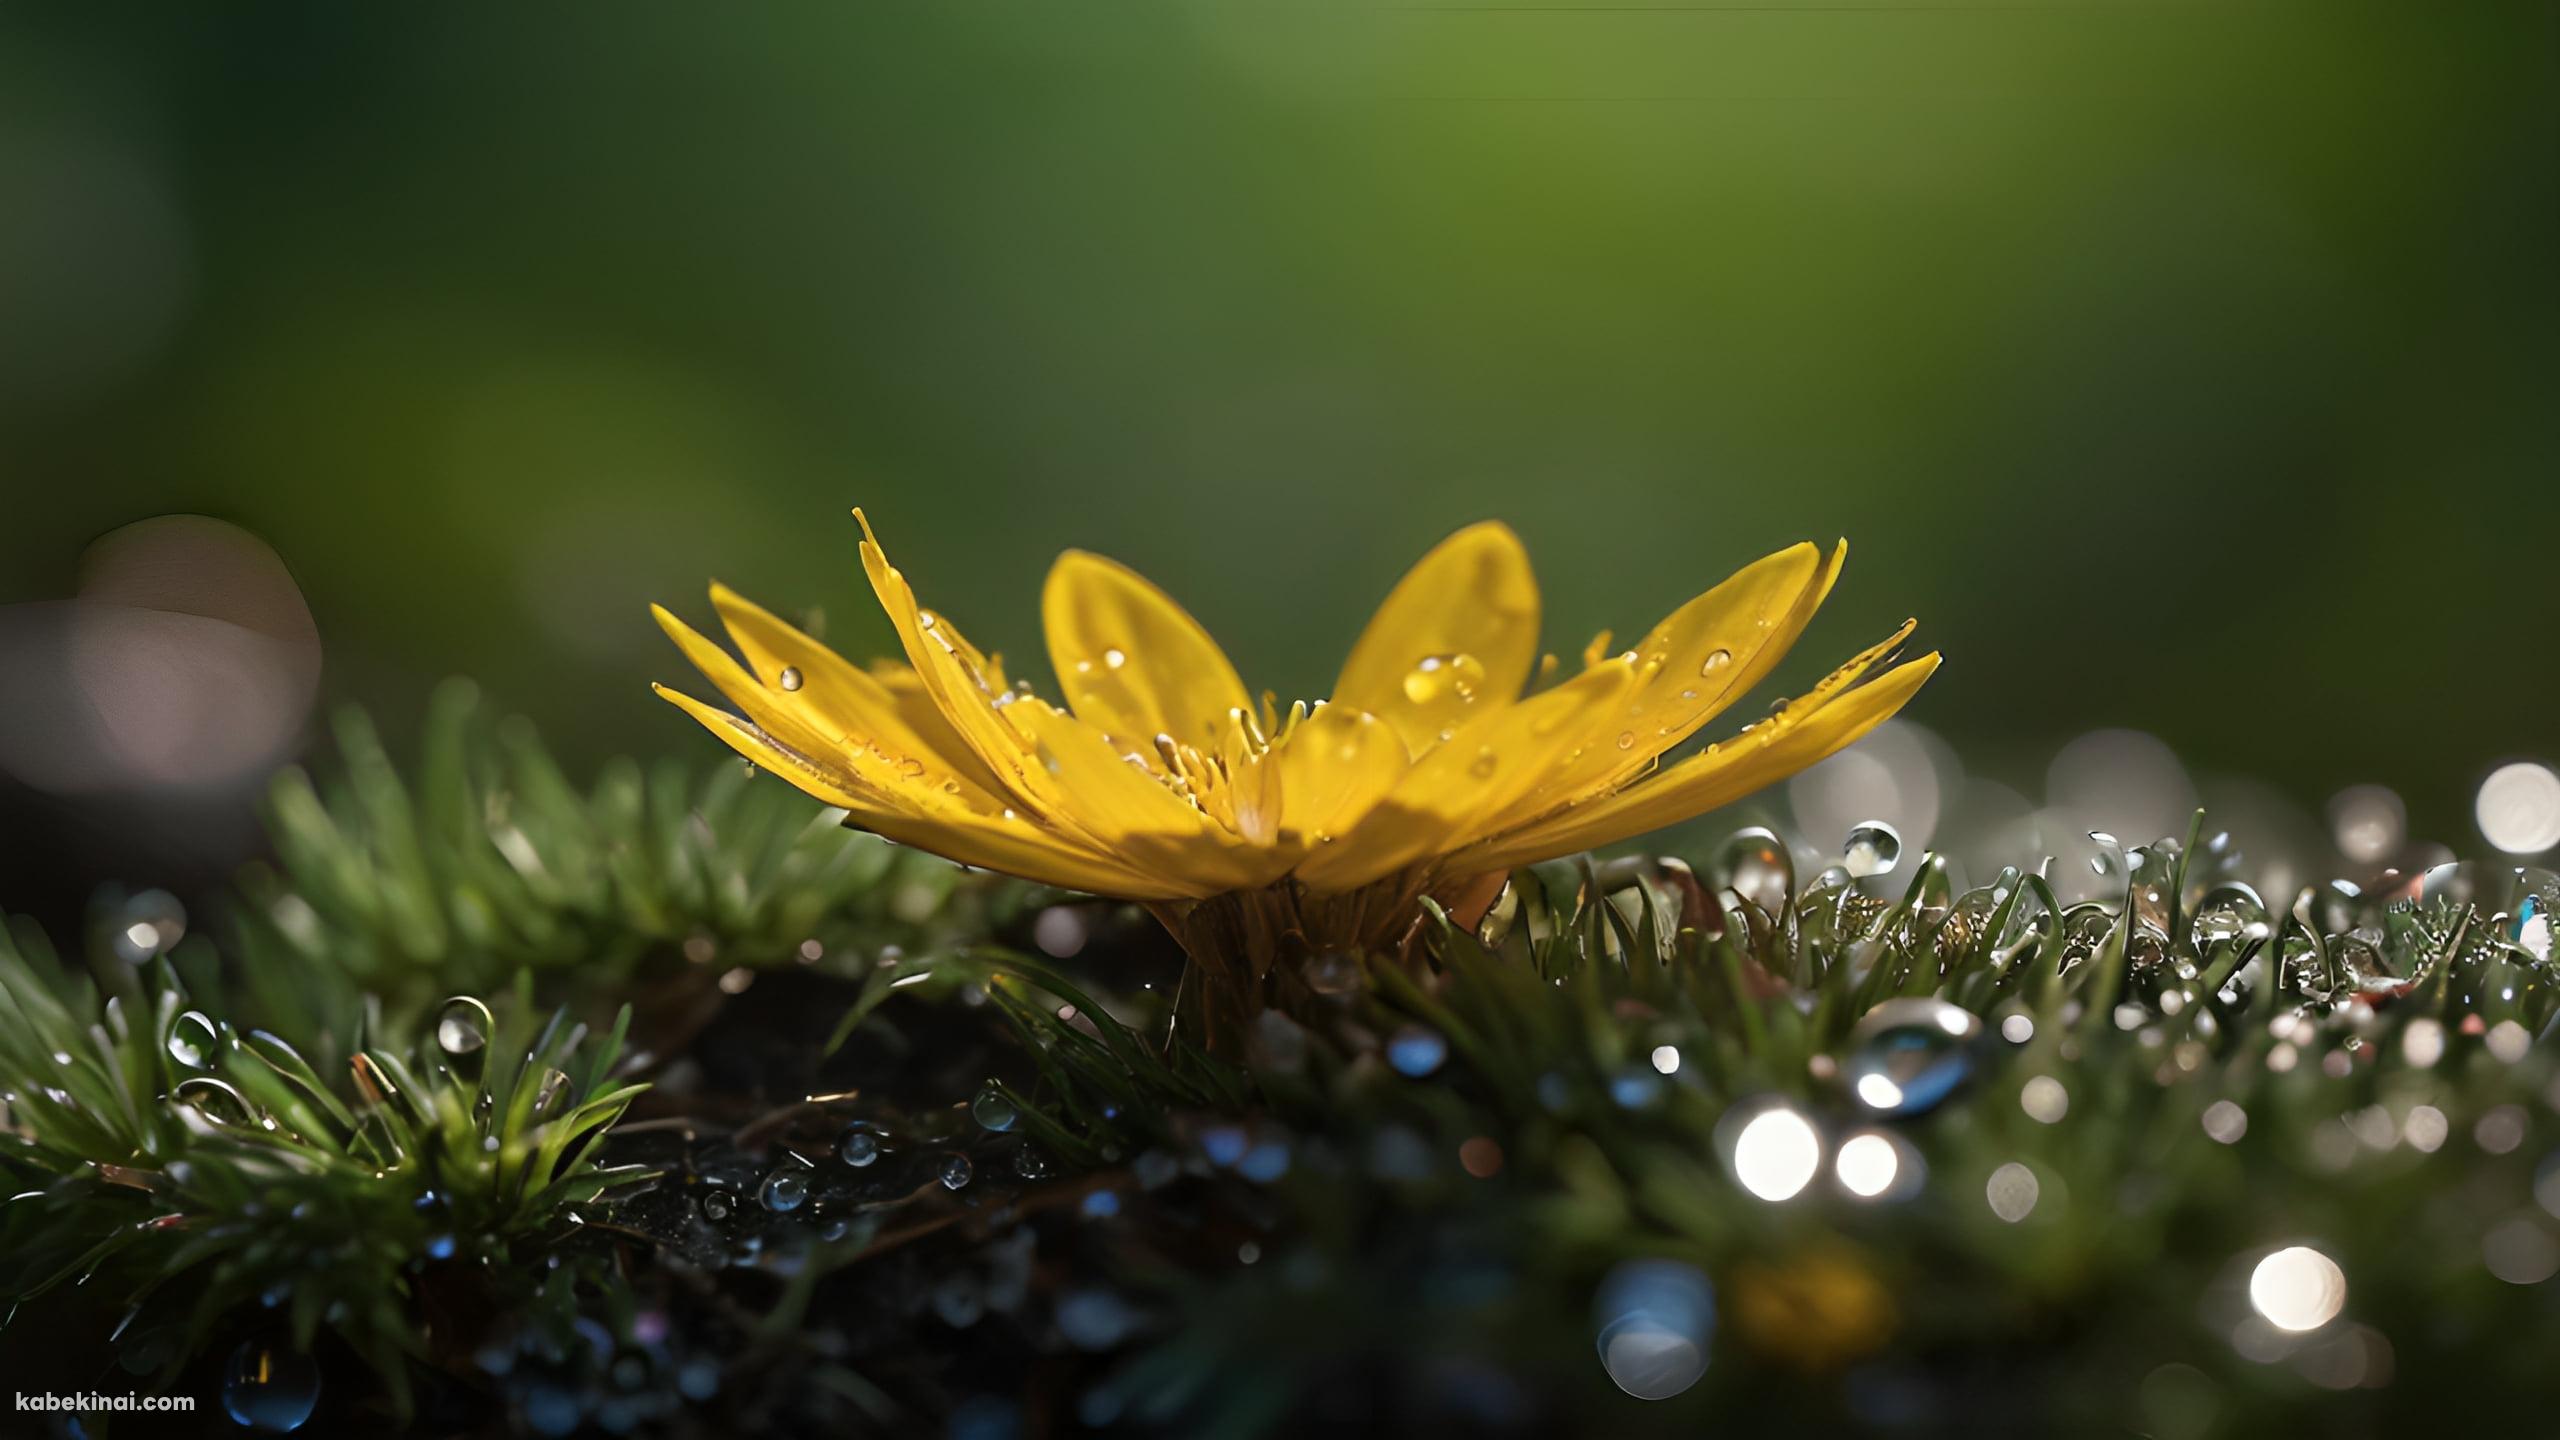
x,y
462,1026
193,1039
858,1147
269,1389
993,1111
2532,927
956,1171
1909,1054
1441,687
548,1093
215,1101
1874,848
1758,869
1334,972
718,1205
1483,765
1114,658
1655,1319
1716,660
2109,864
785,1190
790,677
2230,912
1626,739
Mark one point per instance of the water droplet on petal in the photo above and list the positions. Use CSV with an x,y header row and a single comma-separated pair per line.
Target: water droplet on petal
x,y
1716,660
1441,687
1114,658
1907,1055
790,677
1874,848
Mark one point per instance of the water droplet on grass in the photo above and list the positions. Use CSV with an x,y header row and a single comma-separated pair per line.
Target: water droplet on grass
x,y
269,1389
2230,912
1758,869
785,1190
193,1039
1909,1054
1874,848
462,1026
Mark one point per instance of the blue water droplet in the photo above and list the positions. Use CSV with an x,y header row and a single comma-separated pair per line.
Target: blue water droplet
x,y
785,1190
1416,1050
956,1171
270,1389
1909,1054
858,1147
993,1111
1655,1319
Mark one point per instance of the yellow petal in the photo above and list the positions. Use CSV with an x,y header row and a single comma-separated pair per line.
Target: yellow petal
x,y
1485,768
790,720
955,675
1120,807
1777,748
994,842
1130,660
1334,765
1455,637
1699,659
812,775
915,781
857,702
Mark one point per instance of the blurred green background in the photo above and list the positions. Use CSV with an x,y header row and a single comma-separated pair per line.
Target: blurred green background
x,y
2184,368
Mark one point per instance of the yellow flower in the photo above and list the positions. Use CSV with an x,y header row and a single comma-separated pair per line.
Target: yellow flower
x,y
1250,829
